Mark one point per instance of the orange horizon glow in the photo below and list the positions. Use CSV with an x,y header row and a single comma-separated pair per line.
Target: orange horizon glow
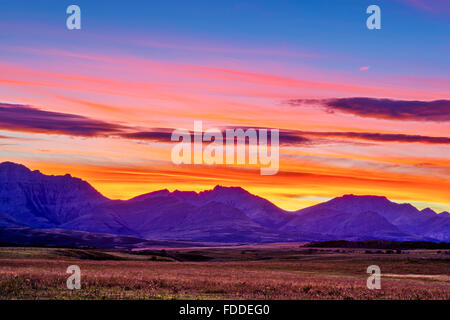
x,y
138,94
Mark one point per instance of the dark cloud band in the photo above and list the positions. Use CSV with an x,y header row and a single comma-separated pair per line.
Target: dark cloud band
x,y
437,110
381,137
297,137
24,118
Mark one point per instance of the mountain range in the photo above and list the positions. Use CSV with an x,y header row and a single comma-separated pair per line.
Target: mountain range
x,y
32,203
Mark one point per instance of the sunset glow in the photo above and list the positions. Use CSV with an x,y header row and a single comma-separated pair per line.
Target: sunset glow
x,y
78,101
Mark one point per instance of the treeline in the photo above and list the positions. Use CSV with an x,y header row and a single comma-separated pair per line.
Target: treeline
x,y
380,244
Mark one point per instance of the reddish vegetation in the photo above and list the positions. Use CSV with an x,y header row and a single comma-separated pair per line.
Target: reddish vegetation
x,y
307,276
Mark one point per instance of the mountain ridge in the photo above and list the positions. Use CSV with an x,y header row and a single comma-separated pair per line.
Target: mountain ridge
x,y
222,214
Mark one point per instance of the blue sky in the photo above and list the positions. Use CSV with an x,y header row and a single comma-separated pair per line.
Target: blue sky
x,y
410,35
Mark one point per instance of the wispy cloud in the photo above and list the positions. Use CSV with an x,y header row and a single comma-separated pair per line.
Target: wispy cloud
x,y
156,135
164,135
382,137
297,137
16,117
25,118
437,110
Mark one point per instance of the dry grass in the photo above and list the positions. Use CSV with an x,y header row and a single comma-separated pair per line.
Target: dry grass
x,y
283,274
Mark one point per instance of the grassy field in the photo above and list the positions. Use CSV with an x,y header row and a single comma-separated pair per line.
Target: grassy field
x,y
283,271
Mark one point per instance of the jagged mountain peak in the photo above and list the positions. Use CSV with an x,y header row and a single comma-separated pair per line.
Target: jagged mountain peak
x,y
353,202
353,197
151,195
217,190
8,166
19,172
428,211
229,193
42,201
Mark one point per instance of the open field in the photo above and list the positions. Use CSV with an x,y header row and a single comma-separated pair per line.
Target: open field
x,y
282,271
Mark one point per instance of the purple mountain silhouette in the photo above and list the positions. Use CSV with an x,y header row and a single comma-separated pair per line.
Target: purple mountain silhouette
x,y
43,201
404,217
31,200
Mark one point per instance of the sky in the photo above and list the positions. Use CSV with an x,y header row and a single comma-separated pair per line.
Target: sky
x,y
359,111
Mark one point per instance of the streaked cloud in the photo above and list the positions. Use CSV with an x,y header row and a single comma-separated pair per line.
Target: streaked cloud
x,y
437,110
16,117
298,137
157,135
382,137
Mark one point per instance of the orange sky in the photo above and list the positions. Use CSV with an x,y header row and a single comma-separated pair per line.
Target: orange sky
x,y
146,93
